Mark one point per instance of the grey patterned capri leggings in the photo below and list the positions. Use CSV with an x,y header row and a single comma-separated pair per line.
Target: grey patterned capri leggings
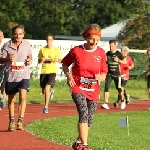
x,y
86,108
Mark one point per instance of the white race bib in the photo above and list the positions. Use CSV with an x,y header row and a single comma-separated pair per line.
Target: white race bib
x,y
17,66
87,84
47,61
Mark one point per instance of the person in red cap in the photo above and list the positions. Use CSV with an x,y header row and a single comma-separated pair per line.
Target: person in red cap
x,y
88,69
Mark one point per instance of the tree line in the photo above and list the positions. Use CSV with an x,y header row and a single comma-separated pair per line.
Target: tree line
x,y
68,17
60,17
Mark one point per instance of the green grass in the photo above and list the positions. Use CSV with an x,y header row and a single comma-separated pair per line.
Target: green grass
x,y
105,133
136,88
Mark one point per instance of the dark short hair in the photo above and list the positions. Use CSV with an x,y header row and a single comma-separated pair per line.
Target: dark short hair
x,y
50,34
112,41
16,27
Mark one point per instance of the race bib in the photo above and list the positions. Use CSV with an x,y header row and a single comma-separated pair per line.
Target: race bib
x,y
17,66
47,61
125,76
87,84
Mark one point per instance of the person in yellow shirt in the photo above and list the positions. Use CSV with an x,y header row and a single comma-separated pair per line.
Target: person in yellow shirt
x,y
48,56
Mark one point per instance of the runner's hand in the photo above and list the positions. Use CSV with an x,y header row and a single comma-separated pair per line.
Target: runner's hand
x,y
43,59
12,57
100,77
129,67
29,62
55,59
70,80
116,59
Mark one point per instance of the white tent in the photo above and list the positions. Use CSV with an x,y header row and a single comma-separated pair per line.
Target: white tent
x,y
112,31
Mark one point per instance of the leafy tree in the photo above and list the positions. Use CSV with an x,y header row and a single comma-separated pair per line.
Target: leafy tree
x,y
104,13
12,11
67,17
136,31
110,12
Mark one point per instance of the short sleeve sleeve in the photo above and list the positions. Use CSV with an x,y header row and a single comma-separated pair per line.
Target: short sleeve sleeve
x,y
121,57
104,68
69,58
4,51
40,55
30,50
59,55
130,61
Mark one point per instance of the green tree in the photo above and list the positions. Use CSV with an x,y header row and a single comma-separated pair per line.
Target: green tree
x,y
67,17
12,11
136,31
102,12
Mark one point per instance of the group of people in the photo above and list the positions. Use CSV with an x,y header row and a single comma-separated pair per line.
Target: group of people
x,y
84,79
119,65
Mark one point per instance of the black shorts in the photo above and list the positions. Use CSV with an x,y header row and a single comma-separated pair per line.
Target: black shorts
x,y
123,82
13,87
47,79
108,81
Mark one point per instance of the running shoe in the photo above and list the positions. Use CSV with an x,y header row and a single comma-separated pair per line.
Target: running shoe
x,y
45,110
116,103
85,147
20,125
51,94
105,106
128,99
123,104
11,125
76,145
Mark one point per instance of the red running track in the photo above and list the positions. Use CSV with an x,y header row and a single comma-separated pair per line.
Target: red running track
x,y
22,140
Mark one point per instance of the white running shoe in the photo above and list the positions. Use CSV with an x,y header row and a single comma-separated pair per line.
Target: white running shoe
x,y
52,93
105,106
123,105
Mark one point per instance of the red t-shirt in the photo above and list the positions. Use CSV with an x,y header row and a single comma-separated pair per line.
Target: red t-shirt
x,y
86,64
125,68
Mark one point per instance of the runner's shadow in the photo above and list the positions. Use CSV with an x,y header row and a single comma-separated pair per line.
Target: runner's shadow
x,y
4,131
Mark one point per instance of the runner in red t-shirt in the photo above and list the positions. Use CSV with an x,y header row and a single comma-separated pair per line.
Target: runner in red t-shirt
x,y
125,69
88,69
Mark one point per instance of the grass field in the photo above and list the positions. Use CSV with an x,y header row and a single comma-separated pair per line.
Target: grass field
x,y
105,133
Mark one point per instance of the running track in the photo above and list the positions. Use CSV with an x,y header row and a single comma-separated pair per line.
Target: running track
x,y
22,140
